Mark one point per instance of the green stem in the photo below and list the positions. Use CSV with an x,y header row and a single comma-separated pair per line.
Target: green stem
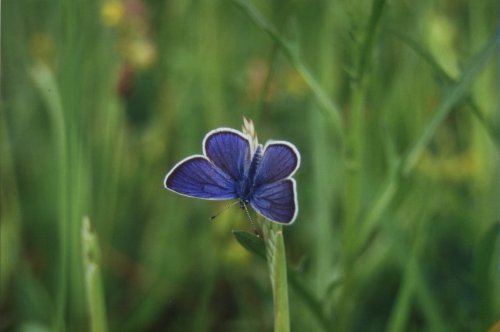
x,y
256,246
93,282
46,84
354,157
276,261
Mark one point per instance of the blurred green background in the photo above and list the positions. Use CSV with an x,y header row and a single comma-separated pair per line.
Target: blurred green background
x,y
394,106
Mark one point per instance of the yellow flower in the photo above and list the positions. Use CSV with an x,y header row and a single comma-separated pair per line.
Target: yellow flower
x,y
112,12
448,167
141,53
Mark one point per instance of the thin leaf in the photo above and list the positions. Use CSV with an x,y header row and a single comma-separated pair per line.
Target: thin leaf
x,y
252,243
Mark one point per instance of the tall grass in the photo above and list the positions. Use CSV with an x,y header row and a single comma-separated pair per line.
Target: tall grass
x,y
393,106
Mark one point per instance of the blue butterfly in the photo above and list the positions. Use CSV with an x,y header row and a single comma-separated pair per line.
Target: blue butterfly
x,y
230,168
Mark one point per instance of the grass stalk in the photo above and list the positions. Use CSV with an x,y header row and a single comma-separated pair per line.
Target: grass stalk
x,y
48,88
93,282
356,142
276,261
73,83
354,157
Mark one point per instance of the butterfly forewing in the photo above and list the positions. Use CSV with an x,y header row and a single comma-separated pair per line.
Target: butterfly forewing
x,y
198,177
229,150
276,201
279,161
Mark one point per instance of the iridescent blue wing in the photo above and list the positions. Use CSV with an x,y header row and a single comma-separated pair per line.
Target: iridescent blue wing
x,y
275,193
277,201
279,161
229,150
197,177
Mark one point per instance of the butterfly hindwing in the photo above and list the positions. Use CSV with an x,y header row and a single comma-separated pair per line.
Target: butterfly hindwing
x,y
276,201
198,177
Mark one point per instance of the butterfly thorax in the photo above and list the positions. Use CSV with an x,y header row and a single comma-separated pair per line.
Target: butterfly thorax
x,y
246,187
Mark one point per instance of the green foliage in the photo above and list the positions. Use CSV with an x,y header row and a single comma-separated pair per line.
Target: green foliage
x,y
393,106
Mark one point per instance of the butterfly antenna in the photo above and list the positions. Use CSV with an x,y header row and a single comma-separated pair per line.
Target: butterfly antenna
x,y
224,209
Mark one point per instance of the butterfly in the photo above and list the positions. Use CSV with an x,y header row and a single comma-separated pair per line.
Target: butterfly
x,y
232,168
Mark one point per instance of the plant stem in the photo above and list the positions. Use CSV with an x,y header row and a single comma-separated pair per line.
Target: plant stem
x,y
93,282
276,261
355,158
45,82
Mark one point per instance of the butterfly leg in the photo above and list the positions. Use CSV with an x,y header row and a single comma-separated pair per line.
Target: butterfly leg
x,y
243,205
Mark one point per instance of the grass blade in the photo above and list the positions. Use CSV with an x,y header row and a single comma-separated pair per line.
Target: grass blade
x,y
406,165
458,92
328,107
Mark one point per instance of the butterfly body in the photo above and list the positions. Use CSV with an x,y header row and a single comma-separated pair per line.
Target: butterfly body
x,y
245,190
229,168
